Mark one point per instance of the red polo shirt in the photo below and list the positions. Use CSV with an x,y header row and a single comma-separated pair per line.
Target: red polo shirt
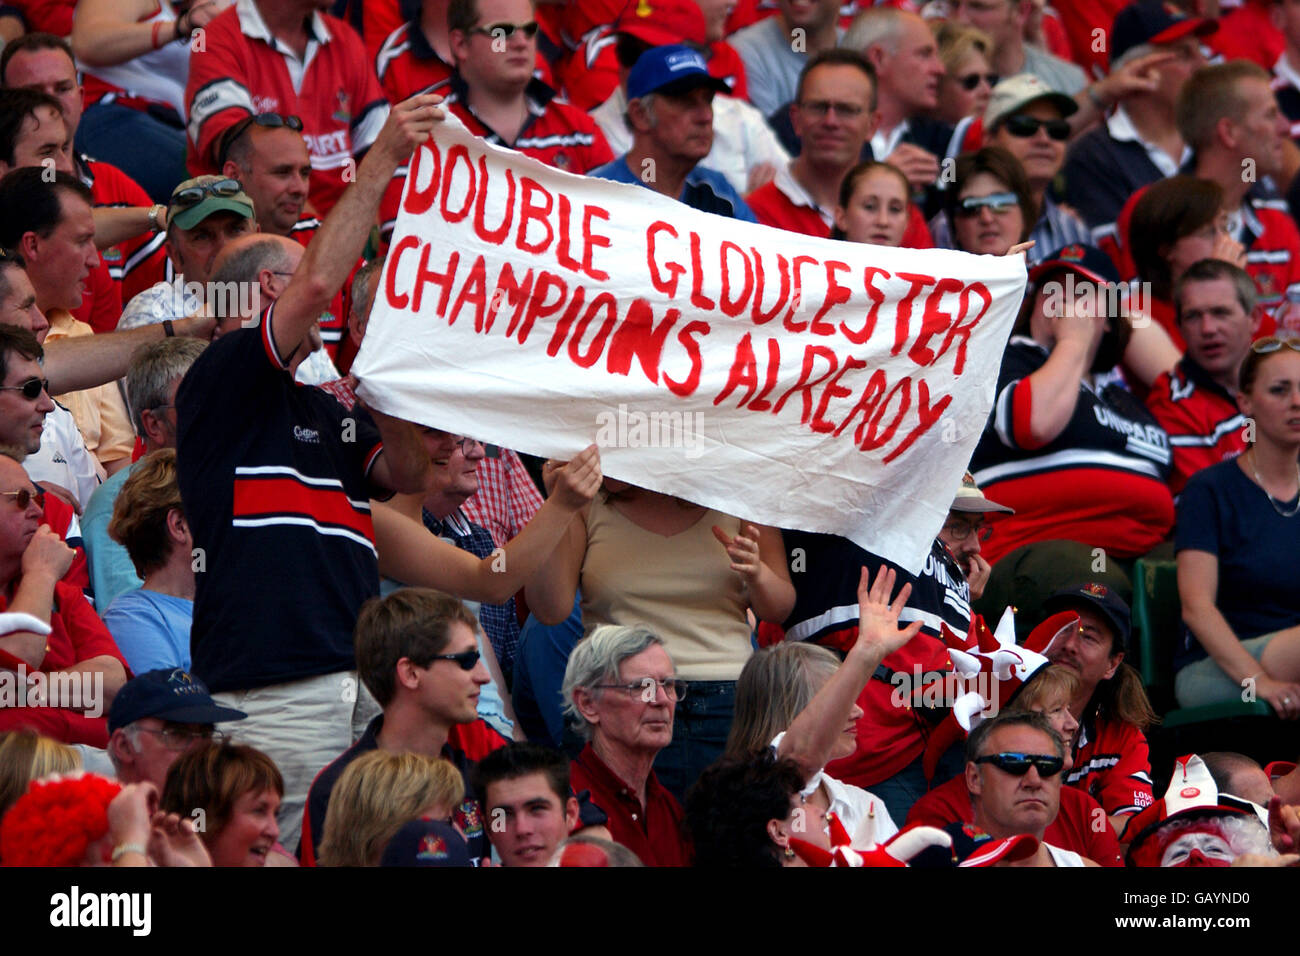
x,y
655,832
76,635
1080,823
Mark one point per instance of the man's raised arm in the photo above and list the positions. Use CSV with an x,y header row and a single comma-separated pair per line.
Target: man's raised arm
x,y
91,360
342,237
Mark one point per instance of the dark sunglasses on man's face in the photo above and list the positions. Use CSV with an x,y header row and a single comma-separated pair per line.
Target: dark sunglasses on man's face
x,y
971,81
1018,764
31,388
465,660
506,30
25,496
1026,126
192,195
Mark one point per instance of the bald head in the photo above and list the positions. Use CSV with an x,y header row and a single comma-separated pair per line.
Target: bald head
x,y
250,273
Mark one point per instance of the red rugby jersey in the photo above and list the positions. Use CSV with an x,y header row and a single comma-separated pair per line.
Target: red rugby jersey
x,y
243,69
1204,424
406,64
136,264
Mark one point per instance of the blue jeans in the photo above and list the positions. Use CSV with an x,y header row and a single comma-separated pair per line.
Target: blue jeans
x,y
700,728
148,150
904,788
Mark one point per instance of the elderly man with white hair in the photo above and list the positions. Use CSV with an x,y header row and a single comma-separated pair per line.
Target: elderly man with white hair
x,y
621,689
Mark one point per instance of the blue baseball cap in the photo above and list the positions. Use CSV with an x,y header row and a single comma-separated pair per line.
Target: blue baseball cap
x,y
673,70
426,842
168,694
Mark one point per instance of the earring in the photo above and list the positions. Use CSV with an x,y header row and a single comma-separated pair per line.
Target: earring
x,y
788,853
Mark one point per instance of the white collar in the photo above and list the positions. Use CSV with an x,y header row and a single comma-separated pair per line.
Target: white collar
x,y
882,144
790,187
252,25
1120,126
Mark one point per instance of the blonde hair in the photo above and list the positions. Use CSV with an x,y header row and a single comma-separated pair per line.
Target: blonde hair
x,y
1213,93
775,686
26,756
377,794
1053,682
957,41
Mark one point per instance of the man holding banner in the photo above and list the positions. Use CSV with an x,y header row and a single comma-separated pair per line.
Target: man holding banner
x,y
276,480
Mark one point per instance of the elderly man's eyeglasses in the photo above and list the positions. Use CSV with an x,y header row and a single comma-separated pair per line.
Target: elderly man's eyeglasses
x,y
645,688
192,195
1000,203
465,660
31,388
506,30
178,738
1018,764
960,530
25,496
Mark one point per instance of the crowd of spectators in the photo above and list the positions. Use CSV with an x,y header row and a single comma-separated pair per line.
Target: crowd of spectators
x,y
313,634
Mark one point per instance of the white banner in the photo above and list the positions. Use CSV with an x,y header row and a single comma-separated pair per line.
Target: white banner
x,y
801,383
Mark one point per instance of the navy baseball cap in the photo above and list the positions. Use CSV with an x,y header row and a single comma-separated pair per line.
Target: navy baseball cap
x,y
672,70
426,842
1087,261
1101,597
168,694
1153,22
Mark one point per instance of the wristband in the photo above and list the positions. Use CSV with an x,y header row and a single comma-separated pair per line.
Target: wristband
x,y
125,848
157,28
169,330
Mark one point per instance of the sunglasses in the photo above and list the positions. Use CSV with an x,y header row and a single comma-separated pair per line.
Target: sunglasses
x,y
1026,126
25,496
970,81
1018,764
1000,203
31,388
192,195
506,30
266,120
1272,343
466,660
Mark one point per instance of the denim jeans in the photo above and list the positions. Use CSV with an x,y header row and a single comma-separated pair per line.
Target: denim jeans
x,y
146,149
700,728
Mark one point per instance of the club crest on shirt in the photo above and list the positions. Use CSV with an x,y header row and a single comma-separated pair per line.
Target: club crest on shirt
x,y
432,847
468,819
342,114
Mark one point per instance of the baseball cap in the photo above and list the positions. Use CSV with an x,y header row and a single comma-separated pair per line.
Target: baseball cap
x,y
1153,21
670,69
969,498
426,842
168,694
196,199
663,22
1103,598
1087,261
1016,92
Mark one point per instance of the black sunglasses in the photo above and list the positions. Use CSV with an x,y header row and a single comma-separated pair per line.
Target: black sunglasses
x,y
1018,764
467,660
506,30
25,496
971,80
267,120
31,388
1026,126
192,195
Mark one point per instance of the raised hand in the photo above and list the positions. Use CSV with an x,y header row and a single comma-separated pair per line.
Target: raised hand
x,y
573,484
173,841
742,550
409,124
878,629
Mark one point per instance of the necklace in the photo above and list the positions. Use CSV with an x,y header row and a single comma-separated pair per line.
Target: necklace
x,y
1271,500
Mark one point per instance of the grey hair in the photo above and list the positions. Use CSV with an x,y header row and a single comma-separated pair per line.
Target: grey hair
x,y
152,369
1133,53
361,284
596,660
245,264
647,103
876,26
980,735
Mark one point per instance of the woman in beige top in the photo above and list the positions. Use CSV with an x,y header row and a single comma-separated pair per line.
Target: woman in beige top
x,y
690,574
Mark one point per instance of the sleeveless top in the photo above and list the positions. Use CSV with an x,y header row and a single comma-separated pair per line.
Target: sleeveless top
x,y
158,76
682,587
